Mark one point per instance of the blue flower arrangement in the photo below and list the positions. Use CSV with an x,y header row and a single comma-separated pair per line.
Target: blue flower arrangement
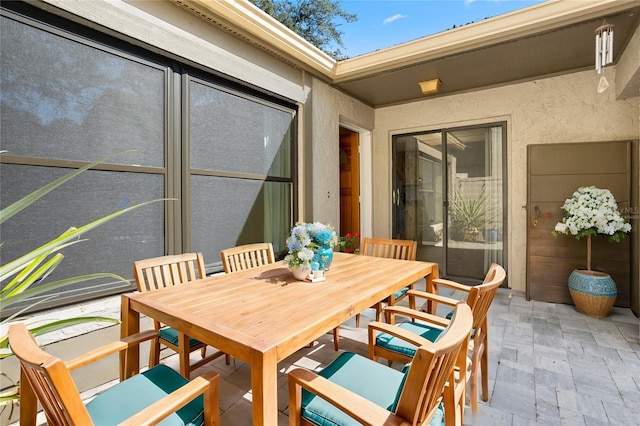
x,y
304,242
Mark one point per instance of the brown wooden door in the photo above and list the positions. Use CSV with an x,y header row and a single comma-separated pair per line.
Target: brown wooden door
x,y
554,173
349,184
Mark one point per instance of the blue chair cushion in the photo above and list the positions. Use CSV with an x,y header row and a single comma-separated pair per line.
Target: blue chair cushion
x,y
374,381
394,344
171,335
400,293
129,397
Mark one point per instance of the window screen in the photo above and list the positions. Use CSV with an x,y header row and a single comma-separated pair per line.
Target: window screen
x,y
70,95
241,170
66,99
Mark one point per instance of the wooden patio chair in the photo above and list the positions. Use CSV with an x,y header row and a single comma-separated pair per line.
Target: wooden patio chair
x,y
143,399
387,344
391,249
247,256
165,271
356,390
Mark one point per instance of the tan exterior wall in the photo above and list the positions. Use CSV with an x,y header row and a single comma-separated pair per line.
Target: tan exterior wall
x,y
328,108
552,110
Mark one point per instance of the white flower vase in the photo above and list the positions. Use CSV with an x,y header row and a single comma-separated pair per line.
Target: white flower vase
x,y
300,273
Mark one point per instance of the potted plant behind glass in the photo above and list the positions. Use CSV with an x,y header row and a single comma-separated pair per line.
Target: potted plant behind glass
x,y
592,211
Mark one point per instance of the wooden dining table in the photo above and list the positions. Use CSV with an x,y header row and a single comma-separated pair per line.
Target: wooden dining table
x,y
263,315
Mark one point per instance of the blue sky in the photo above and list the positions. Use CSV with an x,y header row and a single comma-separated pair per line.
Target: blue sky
x,y
385,23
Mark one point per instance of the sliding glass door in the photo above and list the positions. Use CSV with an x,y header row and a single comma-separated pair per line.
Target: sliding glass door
x,y
448,195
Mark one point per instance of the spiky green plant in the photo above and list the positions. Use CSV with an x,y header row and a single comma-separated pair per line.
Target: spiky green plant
x,y
469,213
18,276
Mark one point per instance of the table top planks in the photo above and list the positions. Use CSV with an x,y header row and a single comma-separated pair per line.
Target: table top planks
x,y
267,305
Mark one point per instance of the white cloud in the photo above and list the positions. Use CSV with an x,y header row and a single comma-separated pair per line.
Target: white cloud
x,y
393,18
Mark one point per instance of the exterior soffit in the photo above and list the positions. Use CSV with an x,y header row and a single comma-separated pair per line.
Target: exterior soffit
x,y
536,19
483,46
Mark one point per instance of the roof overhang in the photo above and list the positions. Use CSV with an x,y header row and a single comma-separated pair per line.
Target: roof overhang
x,y
545,39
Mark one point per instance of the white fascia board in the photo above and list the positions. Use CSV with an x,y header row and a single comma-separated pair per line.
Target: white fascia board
x,y
243,17
534,19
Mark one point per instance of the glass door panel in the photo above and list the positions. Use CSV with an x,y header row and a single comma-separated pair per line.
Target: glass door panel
x,y
474,224
418,193
457,220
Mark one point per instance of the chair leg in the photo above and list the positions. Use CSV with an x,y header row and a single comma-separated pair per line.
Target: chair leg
x,y
357,320
227,359
473,390
484,364
336,337
449,402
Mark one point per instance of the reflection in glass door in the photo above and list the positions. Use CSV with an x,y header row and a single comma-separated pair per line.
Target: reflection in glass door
x,y
457,221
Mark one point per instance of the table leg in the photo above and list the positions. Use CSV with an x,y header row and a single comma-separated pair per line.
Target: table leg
x,y
264,386
435,274
129,359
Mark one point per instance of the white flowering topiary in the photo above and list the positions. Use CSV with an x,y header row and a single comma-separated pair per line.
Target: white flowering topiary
x,y
592,211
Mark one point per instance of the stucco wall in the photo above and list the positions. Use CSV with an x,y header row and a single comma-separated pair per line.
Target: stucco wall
x,y
552,110
328,108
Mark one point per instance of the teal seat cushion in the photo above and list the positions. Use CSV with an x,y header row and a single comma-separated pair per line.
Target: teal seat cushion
x,y
369,379
400,293
394,344
129,397
376,382
171,335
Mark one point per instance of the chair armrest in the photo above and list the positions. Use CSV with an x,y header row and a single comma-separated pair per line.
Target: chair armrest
x,y
398,332
431,296
361,409
161,409
451,284
415,314
110,348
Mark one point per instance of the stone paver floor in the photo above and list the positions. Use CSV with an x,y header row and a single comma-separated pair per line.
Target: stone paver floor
x,y
548,364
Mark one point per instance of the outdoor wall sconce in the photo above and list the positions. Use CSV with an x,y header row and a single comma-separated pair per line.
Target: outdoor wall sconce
x,y
430,86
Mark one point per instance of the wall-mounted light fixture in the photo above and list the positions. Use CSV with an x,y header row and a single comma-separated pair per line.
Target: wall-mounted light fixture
x,y
430,86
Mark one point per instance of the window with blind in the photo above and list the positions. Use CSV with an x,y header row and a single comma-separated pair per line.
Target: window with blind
x,y
70,96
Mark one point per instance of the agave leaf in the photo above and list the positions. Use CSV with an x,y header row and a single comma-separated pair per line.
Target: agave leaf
x,y
10,397
16,265
25,267
60,324
27,200
55,285
41,272
26,308
54,326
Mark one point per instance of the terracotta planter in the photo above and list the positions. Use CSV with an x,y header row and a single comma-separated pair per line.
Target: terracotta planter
x,y
592,292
